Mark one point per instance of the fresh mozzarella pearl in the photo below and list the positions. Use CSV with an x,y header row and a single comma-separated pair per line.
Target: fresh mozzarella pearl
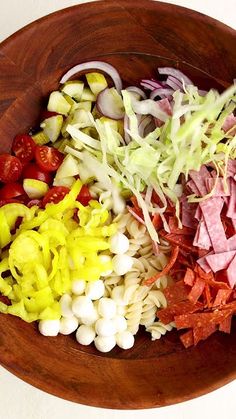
x,y
65,304
105,259
89,319
125,340
106,308
105,327
85,335
49,327
117,295
119,244
78,286
82,306
105,344
120,323
122,264
95,289
68,325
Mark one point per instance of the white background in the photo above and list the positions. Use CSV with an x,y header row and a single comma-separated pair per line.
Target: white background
x,y
21,401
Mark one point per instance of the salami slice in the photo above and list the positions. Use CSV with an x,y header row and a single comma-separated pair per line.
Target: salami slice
x,y
189,277
196,290
193,188
201,320
225,325
176,292
202,333
230,124
231,212
222,297
211,209
220,261
202,262
167,315
231,273
202,238
187,339
218,185
199,179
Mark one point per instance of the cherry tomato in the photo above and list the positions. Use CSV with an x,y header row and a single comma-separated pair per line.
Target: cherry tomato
x,y
48,158
10,168
11,190
47,114
84,196
23,147
55,194
32,171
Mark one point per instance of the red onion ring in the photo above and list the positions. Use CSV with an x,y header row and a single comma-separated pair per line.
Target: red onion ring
x,y
95,65
137,90
107,106
164,92
169,71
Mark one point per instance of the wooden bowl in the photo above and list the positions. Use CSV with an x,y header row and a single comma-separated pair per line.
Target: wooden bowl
x,y
136,37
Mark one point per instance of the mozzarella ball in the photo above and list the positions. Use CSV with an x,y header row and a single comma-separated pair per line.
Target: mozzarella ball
x,y
82,306
85,335
95,289
117,295
125,340
78,286
105,259
66,305
122,264
105,327
120,323
106,308
119,244
105,343
49,327
89,319
68,325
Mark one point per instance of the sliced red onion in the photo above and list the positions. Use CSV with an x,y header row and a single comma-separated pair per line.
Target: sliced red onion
x,y
163,92
176,81
175,86
95,65
150,84
169,71
137,90
108,105
143,125
136,216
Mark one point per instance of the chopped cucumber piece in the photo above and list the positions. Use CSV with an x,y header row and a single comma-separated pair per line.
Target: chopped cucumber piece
x,y
40,138
87,106
73,89
69,167
58,103
66,181
88,95
113,124
96,82
52,127
35,188
61,144
69,100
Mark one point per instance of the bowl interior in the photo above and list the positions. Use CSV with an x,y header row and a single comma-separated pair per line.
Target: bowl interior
x,y
136,40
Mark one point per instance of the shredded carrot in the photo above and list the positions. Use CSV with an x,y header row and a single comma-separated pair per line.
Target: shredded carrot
x,y
166,269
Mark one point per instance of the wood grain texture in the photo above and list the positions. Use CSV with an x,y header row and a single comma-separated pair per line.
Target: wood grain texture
x,y
136,37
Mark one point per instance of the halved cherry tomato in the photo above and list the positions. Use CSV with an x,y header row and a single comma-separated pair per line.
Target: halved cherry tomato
x,y
48,158
55,195
84,196
47,114
12,190
23,147
32,171
10,168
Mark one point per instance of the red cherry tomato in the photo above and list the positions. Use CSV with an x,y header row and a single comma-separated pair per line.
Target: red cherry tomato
x,y
84,196
32,171
48,158
55,195
10,168
47,114
23,147
12,190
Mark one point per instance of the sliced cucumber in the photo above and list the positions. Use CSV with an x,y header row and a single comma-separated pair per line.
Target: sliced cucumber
x,y
87,106
88,95
66,181
62,143
40,138
35,188
73,89
96,82
69,167
52,127
58,103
